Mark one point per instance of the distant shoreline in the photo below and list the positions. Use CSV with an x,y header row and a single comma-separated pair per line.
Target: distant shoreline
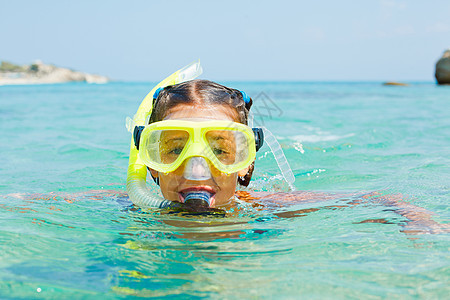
x,y
40,73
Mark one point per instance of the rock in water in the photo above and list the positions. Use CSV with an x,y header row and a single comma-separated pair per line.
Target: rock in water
x,y
391,83
443,68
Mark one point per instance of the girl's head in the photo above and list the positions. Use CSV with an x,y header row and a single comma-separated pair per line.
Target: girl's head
x,y
201,99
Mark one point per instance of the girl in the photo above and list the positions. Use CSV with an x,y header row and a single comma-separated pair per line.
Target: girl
x,y
197,145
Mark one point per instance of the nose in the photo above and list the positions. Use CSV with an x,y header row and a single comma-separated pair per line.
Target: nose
x,y
197,168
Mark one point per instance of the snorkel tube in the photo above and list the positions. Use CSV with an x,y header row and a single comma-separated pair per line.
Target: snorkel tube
x,y
137,171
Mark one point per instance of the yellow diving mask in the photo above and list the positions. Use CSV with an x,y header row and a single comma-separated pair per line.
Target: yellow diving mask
x,y
229,146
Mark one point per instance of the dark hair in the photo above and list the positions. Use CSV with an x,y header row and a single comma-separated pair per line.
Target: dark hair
x,y
202,92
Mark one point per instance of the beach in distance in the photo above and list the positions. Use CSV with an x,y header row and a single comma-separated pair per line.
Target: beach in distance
x,y
40,73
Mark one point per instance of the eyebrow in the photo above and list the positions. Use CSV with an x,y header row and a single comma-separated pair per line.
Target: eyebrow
x,y
174,139
218,137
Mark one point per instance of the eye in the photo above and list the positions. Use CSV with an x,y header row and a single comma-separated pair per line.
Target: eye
x,y
218,151
176,151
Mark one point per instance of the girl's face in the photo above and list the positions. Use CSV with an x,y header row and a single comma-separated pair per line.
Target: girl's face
x,y
220,184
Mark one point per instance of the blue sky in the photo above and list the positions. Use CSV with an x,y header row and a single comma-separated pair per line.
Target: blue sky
x,y
235,40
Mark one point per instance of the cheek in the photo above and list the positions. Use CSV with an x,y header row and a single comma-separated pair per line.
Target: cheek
x,y
168,185
230,179
227,184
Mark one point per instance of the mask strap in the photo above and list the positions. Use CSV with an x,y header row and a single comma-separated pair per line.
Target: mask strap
x,y
137,135
259,137
156,94
245,97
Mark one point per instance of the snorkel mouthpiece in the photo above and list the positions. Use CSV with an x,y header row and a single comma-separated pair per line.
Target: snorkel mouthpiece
x,y
196,168
198,199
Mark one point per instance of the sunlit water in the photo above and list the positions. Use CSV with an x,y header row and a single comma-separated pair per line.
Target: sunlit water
x,y
69,231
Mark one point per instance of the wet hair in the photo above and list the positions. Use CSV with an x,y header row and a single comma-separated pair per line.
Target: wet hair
x,y
199,92
203,92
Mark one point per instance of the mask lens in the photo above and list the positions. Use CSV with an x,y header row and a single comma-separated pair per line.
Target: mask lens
x,y
229,146
165,146
171,144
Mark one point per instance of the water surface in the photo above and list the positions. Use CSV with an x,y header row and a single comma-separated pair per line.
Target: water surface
x,y
69,231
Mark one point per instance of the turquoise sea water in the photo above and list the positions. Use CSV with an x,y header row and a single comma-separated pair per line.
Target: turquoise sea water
x,y
69,231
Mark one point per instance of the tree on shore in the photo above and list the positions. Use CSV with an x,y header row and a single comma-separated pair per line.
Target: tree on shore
x,y
6,66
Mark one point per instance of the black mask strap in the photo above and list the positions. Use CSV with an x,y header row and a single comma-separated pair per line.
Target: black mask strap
x,y
259,137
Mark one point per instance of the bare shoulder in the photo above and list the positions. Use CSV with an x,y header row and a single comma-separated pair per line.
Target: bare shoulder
x,y
288,197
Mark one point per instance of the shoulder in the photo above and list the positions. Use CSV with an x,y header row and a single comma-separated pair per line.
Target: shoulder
x,y
285,197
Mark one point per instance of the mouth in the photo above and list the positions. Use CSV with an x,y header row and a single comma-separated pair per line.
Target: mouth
x,y
205,189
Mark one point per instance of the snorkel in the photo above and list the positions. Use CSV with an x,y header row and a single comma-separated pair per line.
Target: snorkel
x,y
196,158
137,170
